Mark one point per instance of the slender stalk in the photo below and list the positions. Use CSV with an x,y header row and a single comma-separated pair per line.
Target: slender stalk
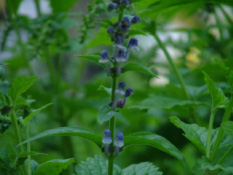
x,y
38,10
180,79
225,155
221,131
219,26
226,15
211,122
28,150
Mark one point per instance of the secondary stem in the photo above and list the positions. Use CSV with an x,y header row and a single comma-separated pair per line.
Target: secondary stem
x,y
221,131
225,155
211,122
28,150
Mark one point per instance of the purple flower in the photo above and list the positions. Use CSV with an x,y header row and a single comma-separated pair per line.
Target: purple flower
x,y
104,57
121,85
125,20
121,103
133,42
128,92
124,27
111,30
107,137
112,6
119,142
135,19
121,56
124,2
119,40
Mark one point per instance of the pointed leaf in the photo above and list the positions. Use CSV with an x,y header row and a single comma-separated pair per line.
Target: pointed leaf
x,y
68,131
32,153
53,167
95,166
228,127
154,140
218,98
36,111
140,68
20,85
145,168
94,58
105,114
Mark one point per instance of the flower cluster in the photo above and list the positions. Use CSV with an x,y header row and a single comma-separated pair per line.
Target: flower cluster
x,y
118,33
119,93
118,143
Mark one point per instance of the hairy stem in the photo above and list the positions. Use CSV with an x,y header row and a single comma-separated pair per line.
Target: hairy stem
x,y
211,122
221,131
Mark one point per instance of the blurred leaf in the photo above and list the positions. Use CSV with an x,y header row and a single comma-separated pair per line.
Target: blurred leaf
x,y
53,167
218,98
228,127
108,90
4,87
140,68
105,114
96,166
13,5
144,168
94,58
68,131
136,32
35,111
162,102
20,85
61,6
154,140
196,134
32,153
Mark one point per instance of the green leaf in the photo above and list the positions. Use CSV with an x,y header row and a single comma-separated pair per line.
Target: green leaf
x,y
96,166
105,114
162,102
53,167
196,134
20,85
35,111
32,153
4,87
13,6
218,98
68,131
144,168
154,140
228,72
108,90
228,127
94,58
139,67
136,32
60,6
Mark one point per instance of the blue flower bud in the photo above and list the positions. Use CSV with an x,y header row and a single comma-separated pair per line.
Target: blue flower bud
x,y
121,103
111,30
128,92
133,42
135,19
124,28
119,142
121,56
124,2
125,20
104,57
107,137
112,6
121,85
119,40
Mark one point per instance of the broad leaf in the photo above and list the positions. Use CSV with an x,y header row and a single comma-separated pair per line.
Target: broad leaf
x,y
196,134
36,111
140,68
53,167
4,87
144,168
94,58
162,102
228,127
60,6
31,153
218,98
136,32
20,85
105,114
95,166
154,140
68,131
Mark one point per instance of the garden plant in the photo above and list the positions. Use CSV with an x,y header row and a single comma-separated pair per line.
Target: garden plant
x,y
110,90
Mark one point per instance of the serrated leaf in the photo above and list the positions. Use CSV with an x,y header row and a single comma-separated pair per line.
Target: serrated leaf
x,y
154,140
144,168
140,68
68,131
196,134
35,111
218,98
105,113
53,167
162,102
20,85
96,166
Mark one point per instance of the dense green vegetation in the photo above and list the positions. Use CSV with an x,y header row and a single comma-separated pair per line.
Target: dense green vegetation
x,y
117,87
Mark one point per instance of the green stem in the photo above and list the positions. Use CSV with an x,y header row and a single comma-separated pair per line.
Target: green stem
x,y
219,26
221,131
180,79
226,15
112,129
225,155
38,10
211,122
28,150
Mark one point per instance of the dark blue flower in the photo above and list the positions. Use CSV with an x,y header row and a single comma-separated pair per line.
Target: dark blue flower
x,y
107,137
111,30
112,6
124,27
119,142
128,92
121,56
133,42
135,19
121,103
119,40
125,20
104,57
121,85
124,2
